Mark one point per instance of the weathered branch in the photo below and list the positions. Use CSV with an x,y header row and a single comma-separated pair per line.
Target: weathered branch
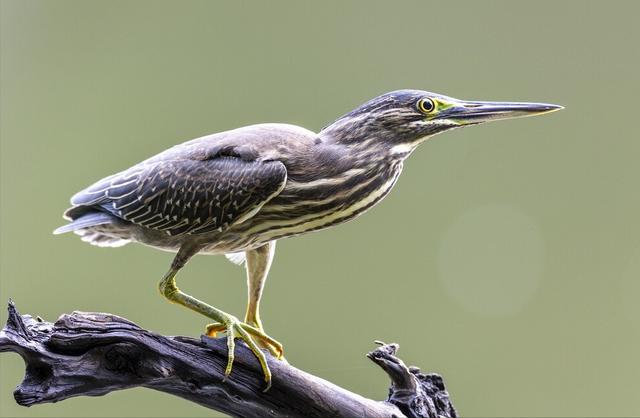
x,y
95,353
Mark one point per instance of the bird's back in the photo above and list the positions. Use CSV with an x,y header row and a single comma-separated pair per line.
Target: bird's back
x,y
246,160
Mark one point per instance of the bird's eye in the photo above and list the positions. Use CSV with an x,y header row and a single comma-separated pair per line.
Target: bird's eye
x,y
426,105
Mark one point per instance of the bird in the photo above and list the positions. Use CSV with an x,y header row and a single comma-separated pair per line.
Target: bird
x,y
238,192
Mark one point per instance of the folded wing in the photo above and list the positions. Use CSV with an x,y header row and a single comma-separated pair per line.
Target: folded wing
x,y
186,196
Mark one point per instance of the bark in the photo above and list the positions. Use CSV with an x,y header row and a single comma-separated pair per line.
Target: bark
x,y
91,354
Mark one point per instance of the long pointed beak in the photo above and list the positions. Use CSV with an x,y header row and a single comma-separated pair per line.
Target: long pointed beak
x,y
470,112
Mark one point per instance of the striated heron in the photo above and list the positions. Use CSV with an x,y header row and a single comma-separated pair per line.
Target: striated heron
x,y
238,192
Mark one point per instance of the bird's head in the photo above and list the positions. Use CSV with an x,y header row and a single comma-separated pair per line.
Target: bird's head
x,y
400,120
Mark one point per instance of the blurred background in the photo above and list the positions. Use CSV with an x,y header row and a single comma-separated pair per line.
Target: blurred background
x,y
510,253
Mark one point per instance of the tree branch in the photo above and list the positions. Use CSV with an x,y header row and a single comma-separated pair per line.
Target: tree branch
x,y
90,354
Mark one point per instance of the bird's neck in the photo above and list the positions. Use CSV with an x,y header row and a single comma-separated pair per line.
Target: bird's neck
x,y
347,131
368,146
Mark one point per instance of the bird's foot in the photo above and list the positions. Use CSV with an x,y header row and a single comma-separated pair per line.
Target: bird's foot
x,y
249,334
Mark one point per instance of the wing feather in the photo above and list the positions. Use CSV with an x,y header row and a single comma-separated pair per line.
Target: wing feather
x,y
188,196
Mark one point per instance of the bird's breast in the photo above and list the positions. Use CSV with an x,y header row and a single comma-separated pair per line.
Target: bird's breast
x,y
305,206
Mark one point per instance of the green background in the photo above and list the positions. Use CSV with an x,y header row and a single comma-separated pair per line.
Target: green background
x,y
507,258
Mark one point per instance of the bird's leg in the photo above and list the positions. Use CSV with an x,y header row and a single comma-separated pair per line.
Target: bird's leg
x,y
229,323
258,263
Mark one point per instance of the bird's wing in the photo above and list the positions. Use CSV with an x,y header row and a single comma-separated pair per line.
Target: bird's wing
x,y
188,196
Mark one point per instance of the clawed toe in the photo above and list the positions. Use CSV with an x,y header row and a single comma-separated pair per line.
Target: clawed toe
x,y
236,329
212,330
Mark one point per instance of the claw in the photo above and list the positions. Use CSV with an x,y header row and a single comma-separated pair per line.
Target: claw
x,y
274,347
236,329
213,329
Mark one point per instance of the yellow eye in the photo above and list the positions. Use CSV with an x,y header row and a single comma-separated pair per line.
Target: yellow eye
x,y
426,105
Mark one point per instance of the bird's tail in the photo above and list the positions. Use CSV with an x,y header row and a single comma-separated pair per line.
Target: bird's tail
x,y
96,228
85,221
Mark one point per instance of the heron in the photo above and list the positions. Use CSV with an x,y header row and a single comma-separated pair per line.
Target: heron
x,y
238,192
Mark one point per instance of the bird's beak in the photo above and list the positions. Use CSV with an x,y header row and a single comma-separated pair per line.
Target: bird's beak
x,y
471,112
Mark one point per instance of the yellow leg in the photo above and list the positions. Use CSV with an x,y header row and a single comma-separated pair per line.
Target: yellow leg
x,y
258,264
230,324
